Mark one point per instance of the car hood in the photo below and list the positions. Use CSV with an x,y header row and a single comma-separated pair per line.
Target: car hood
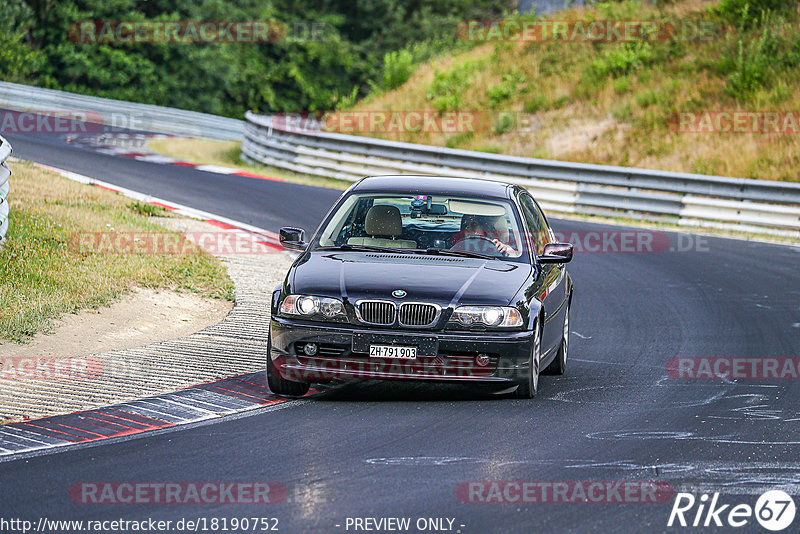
x,y
443,280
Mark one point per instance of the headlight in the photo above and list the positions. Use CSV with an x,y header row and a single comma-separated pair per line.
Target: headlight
x,y
319,308
496,316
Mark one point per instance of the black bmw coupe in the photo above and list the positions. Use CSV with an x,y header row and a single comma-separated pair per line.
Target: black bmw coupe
x,y
423,278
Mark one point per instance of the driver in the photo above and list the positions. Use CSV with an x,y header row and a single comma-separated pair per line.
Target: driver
x,y
485,231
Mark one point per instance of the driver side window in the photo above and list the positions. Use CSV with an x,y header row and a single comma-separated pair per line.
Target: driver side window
x,y
537,226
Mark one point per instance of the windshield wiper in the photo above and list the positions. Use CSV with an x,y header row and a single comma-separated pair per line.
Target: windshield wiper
x,y
448,252
368,248
430,250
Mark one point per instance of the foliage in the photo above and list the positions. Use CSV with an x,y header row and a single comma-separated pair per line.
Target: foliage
x,y
505,90
765,47
18,61
750,13
148,210
329,48
620,60
447,86
397,69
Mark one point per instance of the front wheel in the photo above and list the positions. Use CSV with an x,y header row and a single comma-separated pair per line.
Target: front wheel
x,y
281,386
530,384
559,365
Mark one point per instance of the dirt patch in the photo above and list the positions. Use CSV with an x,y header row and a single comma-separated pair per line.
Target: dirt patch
x,y
142,317
581,135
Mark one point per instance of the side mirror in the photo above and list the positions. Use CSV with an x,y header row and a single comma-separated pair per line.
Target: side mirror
x,y
293,238
556,253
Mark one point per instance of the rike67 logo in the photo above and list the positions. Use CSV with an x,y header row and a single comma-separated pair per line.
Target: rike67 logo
x,y
774,510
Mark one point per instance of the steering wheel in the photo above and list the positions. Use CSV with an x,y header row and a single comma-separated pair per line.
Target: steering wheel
x,y
461,244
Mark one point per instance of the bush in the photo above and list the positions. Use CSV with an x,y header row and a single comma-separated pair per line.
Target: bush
x,y
459,139
504,123
621,60
751,13
646,98
622,112
327,50
559,102
18,60
397,69
536,103
347,101
148,210
750,69
500,93
749,62
445,90
621,85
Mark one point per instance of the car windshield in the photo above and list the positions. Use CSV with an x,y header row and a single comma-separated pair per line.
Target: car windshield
x,y
430,223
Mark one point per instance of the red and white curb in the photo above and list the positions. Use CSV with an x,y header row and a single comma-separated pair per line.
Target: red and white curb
x,y
216,169
152,157
258,235
191,405
187,406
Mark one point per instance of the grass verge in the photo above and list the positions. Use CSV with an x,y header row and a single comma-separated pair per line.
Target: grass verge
x,y
227,154
43,275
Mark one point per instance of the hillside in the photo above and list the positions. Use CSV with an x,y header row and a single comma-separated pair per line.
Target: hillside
x,y
618,103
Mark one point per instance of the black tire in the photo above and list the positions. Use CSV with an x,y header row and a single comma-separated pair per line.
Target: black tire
x,y
530,384
559,365
281,386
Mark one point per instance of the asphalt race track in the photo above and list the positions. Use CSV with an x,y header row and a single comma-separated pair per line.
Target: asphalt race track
x,y
262,203
402,450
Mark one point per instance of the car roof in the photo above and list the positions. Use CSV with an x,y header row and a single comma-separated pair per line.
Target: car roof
x,y
434,185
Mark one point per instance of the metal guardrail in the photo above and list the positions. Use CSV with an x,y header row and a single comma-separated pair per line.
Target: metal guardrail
x,y
760,206
122,114
5,174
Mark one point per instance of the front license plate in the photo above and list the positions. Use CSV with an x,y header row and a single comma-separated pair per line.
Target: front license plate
x,y
392,351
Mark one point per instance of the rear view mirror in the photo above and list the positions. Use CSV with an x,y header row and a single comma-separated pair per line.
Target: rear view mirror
x,y
293,238
438,209
556,253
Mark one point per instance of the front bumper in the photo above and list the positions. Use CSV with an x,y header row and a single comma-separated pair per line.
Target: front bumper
x,y
442,356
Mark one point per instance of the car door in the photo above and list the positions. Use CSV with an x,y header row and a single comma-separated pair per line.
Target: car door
x,y
551,279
